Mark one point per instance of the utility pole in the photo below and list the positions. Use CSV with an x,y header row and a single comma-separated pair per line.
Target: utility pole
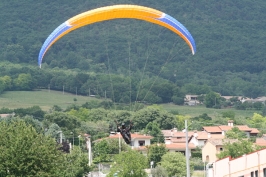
x,y
119,143
88,138
73,140
60,133
187,153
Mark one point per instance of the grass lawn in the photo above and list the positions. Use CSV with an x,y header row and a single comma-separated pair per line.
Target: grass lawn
x,y
194,111
46,99
43,98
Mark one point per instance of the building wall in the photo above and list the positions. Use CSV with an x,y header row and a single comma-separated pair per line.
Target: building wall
x,y
242,166
181,150
201,143
209,150
135,142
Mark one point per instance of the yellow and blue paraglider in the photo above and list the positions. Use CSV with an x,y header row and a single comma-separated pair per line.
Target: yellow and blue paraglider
x,y
115,12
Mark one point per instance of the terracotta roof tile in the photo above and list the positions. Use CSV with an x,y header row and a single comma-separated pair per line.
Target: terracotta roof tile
x,y
244,128
225,127
260,141
182,134
217,136
133,136
254,130
214,129
202,135
179,146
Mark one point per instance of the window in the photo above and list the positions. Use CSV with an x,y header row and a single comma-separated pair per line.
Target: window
x,y
221,149
256,173
264,172
252,174
141,143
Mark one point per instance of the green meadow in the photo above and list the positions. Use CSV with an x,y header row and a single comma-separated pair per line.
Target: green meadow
x,y
43,98
47,98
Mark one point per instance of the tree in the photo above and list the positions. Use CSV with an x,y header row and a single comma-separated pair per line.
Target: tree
x,y
257,105
24,82
175,164
129,164
235,133
153,129
155,153
76,164
159,171
212,99
104,150
53,132
237,149
34,111
24,152
180,121
257,121
142,117
65,121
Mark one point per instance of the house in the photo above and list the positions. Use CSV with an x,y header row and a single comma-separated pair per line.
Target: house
x,y
138,141
197,138
180,147
212,148
191,100
253,164
7,115
222,129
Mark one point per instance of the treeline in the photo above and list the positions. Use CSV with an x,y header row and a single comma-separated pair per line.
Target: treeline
x,y
229,58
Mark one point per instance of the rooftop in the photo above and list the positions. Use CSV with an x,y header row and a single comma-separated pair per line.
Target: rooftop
x,y
133,136
179,146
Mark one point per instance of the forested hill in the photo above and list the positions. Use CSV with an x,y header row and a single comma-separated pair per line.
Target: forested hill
x,y
230,37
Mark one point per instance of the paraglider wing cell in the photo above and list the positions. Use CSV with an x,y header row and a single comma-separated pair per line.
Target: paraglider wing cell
x,y
115,12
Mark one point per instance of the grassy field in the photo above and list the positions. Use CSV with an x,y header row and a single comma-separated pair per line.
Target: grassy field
x,y
43,98
46,99
194,111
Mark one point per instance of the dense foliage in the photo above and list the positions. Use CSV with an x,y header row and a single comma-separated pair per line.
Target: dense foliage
x,y
24,152
131,60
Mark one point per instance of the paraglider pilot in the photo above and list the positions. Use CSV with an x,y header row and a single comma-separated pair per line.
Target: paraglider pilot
x,y
125,131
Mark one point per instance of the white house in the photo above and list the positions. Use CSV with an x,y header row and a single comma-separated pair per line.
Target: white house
x,y
138,141
248,165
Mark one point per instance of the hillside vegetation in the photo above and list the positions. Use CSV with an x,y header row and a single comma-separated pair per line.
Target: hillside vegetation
x,y
126,58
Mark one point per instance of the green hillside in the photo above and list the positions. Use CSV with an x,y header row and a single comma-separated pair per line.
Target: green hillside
x,y
229,36
44,98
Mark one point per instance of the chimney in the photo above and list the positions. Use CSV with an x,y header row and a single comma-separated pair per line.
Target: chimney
x,y
230,123
209,135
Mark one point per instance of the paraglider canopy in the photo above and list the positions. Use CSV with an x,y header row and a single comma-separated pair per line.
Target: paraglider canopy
x,y
115,12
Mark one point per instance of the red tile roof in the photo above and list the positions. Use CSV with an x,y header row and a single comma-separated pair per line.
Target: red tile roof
x,y
254,130
179,146
214,129
261,142
225,127
133,136
244,128
182,134
202,135
217,136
